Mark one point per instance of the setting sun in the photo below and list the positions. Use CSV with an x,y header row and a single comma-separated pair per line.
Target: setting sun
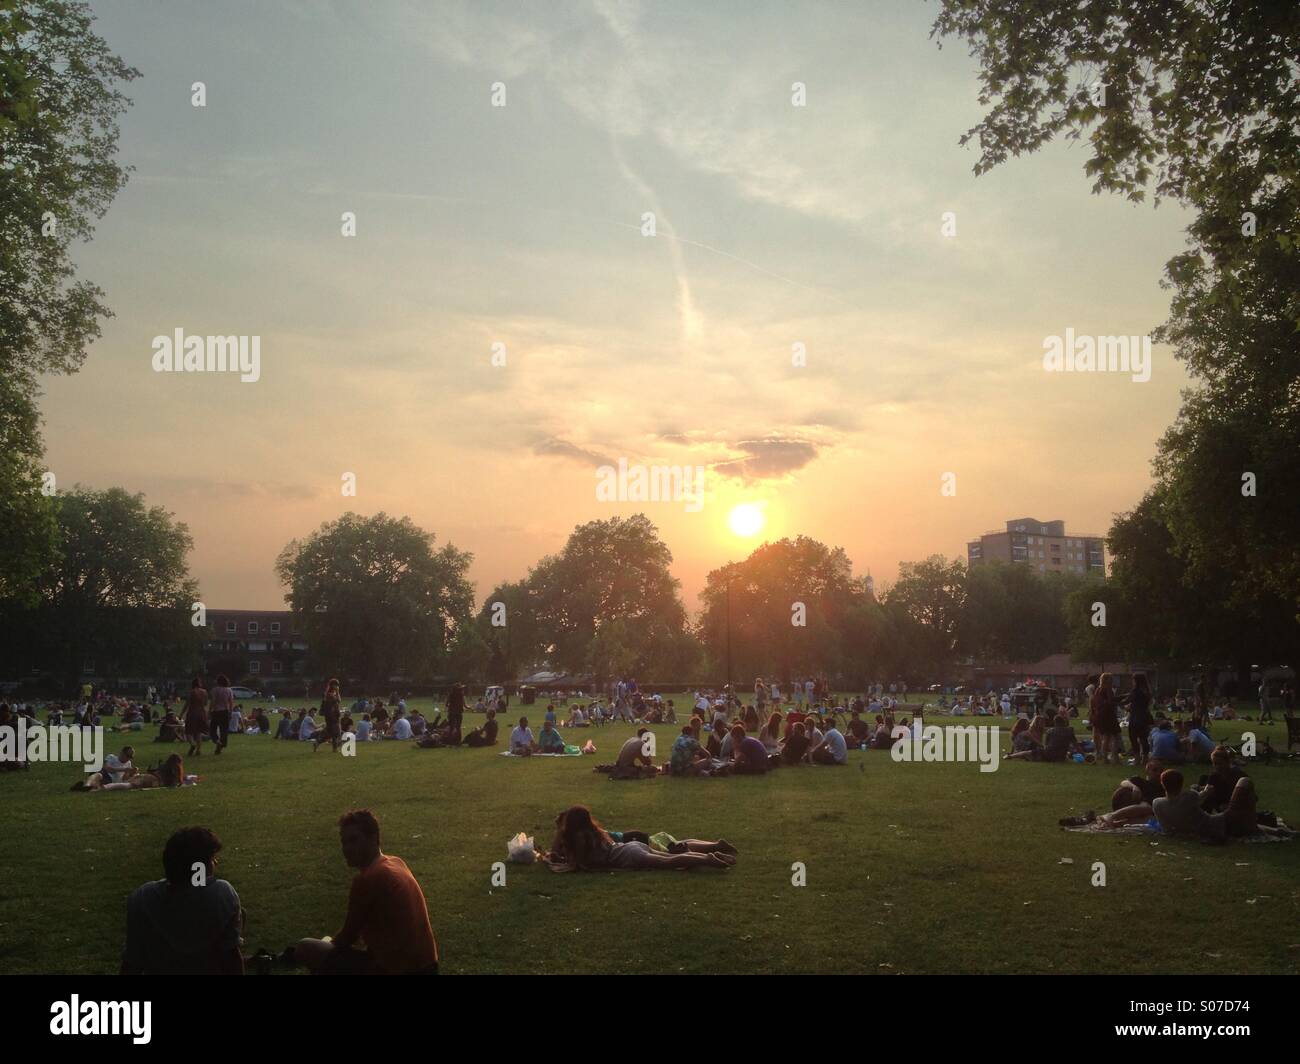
x,y
746,519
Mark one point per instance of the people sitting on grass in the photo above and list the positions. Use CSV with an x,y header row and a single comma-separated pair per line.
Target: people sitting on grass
x,y
1178,809
882,738
859,731
1198,745
188,923
795,746
832,749
522,743
549,740
577,719
748,754
688,757
1217,787
400,728
1165,746
169,729
581,843
386,912
307,725
379,719
770,735
634,761
365,729
485,735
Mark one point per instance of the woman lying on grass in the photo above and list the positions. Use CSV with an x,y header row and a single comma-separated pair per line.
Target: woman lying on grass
x,y
583,844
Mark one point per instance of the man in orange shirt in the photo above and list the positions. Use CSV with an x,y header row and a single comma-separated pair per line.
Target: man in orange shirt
x,y
386,911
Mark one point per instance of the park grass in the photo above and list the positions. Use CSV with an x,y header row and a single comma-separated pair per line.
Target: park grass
x,y
911,868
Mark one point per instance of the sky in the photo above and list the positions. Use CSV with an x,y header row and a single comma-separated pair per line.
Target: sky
x,y
523,225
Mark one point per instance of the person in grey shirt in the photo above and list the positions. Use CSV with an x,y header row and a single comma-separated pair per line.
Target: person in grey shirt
x,y
188,923
1180,812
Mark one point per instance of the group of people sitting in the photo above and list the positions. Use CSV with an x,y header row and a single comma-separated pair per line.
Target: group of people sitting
x,y
1222,806
192,924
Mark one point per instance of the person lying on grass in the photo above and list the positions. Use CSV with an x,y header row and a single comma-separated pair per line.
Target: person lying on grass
x,y
583,844
387,912
439,733
1137,790
171,773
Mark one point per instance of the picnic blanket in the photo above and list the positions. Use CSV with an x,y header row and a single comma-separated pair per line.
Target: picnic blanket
x,y
569,751
1146,831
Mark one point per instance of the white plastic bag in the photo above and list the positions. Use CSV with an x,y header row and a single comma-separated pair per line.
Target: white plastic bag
x,y
521,849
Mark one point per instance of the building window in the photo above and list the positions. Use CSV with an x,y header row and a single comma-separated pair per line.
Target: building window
x,y
252,627
254,667
275,627
277,667
230,628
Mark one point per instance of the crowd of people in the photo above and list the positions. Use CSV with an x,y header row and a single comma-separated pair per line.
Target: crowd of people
x,y
1223,805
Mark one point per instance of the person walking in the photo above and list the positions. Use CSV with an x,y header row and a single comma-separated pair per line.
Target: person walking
x,y
223,701
195,715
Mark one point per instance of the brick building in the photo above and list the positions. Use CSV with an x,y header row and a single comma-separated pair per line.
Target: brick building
x,y
261,646
1043,545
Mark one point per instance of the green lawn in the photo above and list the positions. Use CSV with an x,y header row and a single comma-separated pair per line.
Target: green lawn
x,y
910,868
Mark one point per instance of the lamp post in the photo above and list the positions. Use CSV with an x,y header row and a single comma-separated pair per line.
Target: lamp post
x,y
728,596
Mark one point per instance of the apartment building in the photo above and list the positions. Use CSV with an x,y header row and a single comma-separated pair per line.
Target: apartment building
x,y
1043,545
254,644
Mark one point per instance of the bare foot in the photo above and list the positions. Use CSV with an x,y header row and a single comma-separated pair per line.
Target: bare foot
x,y
723,846
725,860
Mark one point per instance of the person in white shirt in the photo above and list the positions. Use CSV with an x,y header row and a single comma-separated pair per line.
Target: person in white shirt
x,y
808,686
400,729
521,739
308,728
116,769
236,719
1006,704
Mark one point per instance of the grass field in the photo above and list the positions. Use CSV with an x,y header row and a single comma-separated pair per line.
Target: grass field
x,y
910,867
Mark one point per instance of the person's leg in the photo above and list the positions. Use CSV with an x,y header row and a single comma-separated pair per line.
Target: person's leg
x,y
312,953
1130,814
701,846
651,860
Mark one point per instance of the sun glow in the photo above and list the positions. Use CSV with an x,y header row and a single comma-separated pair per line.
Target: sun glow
x,y
746,519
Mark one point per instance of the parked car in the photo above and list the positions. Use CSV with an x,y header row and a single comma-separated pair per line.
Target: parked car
x,y
245,693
